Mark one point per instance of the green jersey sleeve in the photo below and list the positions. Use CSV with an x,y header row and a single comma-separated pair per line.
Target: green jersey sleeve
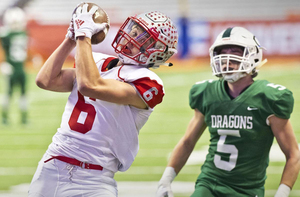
x,y
196,96
283,106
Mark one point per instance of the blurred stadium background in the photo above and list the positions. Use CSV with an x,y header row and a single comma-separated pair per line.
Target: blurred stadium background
x,y
275,23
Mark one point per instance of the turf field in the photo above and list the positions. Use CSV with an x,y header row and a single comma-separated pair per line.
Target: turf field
x,y
22,146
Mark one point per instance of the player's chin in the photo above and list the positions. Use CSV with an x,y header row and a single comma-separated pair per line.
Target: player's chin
x,y
227,74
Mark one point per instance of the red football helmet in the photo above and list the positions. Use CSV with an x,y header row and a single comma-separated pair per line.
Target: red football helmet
x,y
148,39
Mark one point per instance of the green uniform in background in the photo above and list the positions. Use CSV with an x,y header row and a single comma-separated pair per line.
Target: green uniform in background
x,y
14,44
240,137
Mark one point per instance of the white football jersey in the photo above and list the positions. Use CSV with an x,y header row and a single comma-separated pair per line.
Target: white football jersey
x,y
105,133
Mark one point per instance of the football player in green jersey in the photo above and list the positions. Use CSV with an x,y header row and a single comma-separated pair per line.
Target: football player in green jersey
x,y
243,116
14,39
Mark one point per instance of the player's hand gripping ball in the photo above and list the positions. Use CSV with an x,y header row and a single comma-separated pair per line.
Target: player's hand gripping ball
x,y
100,16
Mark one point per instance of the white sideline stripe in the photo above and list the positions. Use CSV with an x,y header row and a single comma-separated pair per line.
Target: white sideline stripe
x,y
134,170
10,171
37,96
134,189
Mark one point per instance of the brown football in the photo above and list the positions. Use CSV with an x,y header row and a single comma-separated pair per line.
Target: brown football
x,y
100,16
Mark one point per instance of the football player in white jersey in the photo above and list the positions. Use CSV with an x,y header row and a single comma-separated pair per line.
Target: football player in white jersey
x,y
111,99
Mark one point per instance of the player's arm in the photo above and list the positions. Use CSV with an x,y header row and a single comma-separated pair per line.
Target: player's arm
x,y
51,76
286,139
89,81
91,84
181,153
185,146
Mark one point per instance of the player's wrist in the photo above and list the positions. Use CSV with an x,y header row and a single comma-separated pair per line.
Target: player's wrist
x,y
87,34
168,175
283,191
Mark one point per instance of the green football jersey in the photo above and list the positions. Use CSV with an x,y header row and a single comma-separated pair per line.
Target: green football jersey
x,y
15,47
240,137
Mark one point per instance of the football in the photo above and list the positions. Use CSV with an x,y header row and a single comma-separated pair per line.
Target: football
x,y
100,16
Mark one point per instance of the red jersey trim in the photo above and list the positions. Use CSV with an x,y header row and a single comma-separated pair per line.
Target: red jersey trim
x,y
105,63
150,90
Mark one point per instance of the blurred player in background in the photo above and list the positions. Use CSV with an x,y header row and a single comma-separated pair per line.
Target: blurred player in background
x,y
14,41
111,99
243,116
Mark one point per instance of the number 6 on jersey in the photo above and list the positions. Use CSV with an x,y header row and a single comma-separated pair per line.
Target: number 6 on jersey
x,y
83,116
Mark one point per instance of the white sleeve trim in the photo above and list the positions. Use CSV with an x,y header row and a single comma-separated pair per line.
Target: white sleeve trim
x,y
267,120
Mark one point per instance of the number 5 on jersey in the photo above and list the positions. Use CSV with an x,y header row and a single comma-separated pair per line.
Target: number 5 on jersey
x,y
226,148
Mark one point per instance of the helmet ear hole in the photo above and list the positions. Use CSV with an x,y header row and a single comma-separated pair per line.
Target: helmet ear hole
x,y
254,73
166,50
257,50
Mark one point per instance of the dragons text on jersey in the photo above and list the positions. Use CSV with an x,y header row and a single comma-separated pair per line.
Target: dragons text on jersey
x,y
231,121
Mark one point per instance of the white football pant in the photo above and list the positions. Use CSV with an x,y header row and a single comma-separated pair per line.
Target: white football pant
x,y
56,178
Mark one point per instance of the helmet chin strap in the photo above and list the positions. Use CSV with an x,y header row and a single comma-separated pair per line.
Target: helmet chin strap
x,y
234,77
126,60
